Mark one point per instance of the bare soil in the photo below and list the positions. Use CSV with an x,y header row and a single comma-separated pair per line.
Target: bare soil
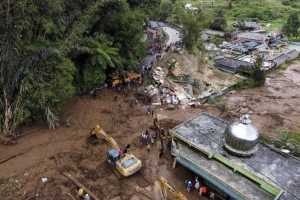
x,y
47,153
199,67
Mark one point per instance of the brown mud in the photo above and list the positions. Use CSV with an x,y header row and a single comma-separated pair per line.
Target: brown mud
x,y
43,153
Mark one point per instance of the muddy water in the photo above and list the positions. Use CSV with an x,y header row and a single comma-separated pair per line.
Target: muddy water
x,y
274,105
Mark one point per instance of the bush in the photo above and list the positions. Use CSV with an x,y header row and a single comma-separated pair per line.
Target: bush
x,y
249,83
283,67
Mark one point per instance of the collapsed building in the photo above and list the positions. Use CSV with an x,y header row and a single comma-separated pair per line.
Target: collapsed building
x,y
230,159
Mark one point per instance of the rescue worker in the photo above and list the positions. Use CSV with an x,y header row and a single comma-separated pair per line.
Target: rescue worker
x,y
189,185
128,148
162,131
202,190
161,137
121,153
161,151
155,120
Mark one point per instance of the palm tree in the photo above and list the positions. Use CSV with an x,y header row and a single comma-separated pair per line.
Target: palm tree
x,y
104,54
15,65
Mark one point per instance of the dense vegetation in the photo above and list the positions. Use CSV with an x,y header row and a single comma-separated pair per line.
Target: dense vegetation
x,y
52,50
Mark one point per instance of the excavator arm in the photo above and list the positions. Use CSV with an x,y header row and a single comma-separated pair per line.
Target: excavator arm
x,y
99,131
166,185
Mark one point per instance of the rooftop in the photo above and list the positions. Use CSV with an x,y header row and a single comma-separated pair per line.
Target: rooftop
x,y
203,135
232,63
156,25
252,36
252,24
277,57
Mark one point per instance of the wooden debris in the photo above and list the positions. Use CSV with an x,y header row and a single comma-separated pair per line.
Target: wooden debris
x,y
80,185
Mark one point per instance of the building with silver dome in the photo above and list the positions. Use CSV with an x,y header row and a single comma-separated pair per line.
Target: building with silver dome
x,y
241,137
207,146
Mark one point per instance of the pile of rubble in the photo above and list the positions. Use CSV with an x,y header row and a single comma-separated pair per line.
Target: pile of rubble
x,y
166,91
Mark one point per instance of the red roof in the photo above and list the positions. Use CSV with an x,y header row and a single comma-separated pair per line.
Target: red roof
x,y
152,30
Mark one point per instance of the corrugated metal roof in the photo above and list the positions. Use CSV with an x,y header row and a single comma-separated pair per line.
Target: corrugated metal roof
x,y
232,63
262,46
292,53
252,36
252,44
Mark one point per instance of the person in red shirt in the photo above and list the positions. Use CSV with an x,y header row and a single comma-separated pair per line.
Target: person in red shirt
x,y
121,153
202,190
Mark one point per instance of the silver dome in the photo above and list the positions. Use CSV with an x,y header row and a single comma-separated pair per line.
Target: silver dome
x,y
241,137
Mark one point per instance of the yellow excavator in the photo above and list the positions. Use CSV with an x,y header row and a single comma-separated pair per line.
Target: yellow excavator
x,y
126,165
166,185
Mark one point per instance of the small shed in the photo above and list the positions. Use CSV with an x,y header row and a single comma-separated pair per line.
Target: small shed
x,y
253,26
155,29
292,53
152,33
279,59
209,34
231,65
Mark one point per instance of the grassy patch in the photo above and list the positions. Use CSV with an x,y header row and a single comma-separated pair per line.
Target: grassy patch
x,y
214,100
148,81
249,83
283,67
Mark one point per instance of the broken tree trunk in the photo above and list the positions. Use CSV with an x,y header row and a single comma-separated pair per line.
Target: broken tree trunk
x,y
78,184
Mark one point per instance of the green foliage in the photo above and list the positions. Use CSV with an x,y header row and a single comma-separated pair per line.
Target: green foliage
x,y
125,25
290,28
214,100
219,22
283,67
193,23
268,10
257,74
93,75
163,11
249,83
104,55
257,78
44,42
288,140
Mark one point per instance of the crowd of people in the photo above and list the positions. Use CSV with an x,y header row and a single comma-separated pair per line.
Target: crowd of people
x,y
156,48
148,139
201,188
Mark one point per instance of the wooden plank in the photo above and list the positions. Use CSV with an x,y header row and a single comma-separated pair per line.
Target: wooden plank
x,y
80,185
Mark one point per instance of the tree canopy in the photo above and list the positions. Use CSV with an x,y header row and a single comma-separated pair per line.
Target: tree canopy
x,y
193,23
51,50
290,28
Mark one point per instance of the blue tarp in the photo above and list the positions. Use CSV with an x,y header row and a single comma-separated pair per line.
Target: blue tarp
x,y
230,45
279,41
262,46
238,48
251,44
273,45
